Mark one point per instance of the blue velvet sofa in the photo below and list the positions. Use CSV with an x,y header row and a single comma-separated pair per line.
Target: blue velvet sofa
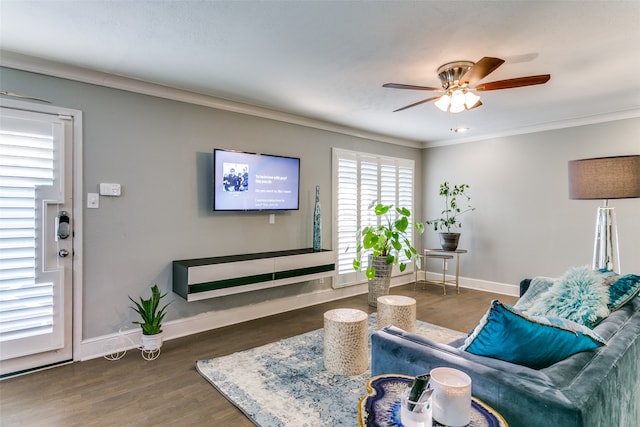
x,y
594,388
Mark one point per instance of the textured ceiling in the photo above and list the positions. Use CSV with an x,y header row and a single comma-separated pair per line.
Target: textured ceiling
x,y
327,60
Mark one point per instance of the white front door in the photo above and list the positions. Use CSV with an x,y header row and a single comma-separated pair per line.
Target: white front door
x,y
36,239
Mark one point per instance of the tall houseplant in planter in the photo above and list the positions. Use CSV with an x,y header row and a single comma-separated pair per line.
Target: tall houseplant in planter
x,y
449,240
384,244
151,317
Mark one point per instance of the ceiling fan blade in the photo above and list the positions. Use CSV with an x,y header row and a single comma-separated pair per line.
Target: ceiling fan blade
x,y
401,86
511,83
481,69
433,98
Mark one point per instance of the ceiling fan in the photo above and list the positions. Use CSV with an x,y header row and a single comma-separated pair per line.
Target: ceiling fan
x,y
457,78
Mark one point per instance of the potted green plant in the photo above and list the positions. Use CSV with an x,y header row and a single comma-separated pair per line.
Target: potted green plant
x,y
449,240
151,316
384,243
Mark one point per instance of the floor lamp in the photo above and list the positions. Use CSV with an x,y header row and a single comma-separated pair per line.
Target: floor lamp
x,y
605,178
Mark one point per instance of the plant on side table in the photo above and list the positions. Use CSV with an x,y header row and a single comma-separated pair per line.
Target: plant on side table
x,y
384,244
151,316
449,240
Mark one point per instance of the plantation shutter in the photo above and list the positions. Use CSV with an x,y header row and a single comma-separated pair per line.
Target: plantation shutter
x,y
346,205
360,179
26,162
369,186
405,198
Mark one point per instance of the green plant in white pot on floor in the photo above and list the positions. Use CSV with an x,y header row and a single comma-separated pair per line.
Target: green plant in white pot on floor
x,y
151,317
384,243
452,210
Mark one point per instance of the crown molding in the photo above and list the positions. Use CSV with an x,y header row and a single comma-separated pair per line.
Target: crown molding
x,y
57,69
560,124
32,64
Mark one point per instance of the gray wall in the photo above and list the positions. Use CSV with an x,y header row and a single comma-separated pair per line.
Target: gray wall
x,y
160,151
525,225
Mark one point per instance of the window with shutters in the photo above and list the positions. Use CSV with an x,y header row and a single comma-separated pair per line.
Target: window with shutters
x,y
359,179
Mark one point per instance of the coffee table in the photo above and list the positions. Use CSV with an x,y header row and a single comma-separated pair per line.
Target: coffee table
x,y
381,406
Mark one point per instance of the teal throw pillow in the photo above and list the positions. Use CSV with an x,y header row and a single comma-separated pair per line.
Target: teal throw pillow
x,y
623,290
579,295
507,334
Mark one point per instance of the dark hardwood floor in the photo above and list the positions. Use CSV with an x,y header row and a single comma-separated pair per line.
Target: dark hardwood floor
x,y
169,391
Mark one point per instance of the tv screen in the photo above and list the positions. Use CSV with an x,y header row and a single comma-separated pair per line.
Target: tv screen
x,y
254,182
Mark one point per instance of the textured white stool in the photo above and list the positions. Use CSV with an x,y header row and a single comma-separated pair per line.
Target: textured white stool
x,y
397,310
345,341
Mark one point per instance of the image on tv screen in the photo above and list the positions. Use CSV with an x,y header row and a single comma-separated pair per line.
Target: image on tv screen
x,y
249,181
236,177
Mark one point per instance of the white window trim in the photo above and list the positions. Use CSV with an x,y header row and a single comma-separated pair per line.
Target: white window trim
x,y
355,278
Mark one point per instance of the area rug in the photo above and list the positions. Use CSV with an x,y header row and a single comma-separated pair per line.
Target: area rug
x,y
285,384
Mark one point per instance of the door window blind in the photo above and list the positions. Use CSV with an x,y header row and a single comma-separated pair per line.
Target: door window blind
x,y
26,162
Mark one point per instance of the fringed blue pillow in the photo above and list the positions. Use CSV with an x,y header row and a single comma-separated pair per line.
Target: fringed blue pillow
x,y
579,296
623,290
536,342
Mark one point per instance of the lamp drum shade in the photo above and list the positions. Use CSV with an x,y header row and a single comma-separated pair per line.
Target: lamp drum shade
x,y
605,178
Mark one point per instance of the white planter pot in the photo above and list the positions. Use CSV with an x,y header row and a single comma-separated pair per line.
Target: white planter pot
x,y
151,342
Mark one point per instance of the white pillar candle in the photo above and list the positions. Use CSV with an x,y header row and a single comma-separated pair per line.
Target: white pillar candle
x,y
451,396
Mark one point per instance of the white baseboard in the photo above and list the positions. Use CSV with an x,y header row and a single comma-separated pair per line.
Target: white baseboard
x,y
477,284
130,339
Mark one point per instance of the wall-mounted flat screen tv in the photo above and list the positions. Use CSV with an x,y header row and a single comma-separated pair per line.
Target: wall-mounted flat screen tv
x,y
255,182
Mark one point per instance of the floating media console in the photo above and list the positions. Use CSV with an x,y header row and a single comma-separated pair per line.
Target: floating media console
x,y
197,279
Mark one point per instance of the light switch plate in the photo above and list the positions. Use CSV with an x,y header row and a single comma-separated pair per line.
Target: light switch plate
x,y
93,201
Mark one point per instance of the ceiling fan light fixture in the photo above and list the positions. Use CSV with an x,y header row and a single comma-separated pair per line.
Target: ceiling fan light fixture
x,y
470,99
443,103
457,100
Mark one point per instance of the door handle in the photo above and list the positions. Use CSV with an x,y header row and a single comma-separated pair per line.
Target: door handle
x,y
63,253
63,227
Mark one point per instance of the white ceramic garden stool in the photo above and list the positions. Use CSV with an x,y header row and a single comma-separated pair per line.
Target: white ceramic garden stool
x,y
345,341
397,310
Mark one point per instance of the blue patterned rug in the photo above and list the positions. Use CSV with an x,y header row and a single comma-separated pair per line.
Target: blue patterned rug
x,y
285,384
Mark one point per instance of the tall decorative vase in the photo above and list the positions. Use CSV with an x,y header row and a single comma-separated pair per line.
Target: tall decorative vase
x,y
317,223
